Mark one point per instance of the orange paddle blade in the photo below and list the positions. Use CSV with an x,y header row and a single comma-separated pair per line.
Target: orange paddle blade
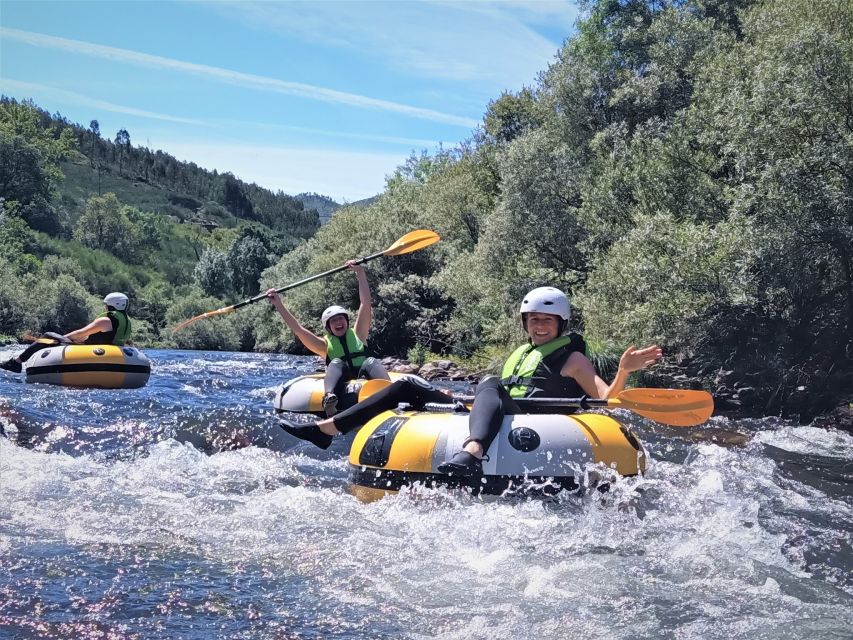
x,y
676,407
208,314
412,241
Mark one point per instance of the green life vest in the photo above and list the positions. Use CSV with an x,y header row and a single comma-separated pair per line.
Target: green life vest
x,y
118,335
350,349
526,365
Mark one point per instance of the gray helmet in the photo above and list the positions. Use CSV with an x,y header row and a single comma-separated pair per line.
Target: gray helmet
x,y
116,300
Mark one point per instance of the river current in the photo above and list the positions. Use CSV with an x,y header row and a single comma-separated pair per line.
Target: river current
x,y
160,513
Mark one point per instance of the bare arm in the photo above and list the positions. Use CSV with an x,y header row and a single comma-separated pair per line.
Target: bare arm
x,y
312,342
580,368
365,307
96,326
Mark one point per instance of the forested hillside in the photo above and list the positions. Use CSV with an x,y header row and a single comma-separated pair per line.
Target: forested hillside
x,y
83,215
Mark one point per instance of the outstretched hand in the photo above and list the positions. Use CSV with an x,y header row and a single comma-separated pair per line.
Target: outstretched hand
x,y
635,359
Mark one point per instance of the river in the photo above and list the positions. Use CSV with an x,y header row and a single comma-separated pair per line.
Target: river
x,y
142,514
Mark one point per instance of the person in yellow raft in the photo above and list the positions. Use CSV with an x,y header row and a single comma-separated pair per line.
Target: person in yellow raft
x,y
550,364
111,327
342,345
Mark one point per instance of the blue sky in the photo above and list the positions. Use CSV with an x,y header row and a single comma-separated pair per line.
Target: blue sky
x,y
322,96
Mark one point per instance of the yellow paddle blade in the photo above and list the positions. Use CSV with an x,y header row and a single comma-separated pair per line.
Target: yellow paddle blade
x,y
208,314
412,241
675,407
29,337
370,387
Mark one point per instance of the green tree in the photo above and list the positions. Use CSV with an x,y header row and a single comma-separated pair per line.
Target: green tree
x,y
95,128
213,273
122,143
105,225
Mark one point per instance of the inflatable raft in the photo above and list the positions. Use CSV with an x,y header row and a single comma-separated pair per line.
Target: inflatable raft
x,y
305,393
79,365
533,453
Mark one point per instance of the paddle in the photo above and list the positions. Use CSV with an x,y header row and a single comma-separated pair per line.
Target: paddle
x,y
47,338
412,241
675,407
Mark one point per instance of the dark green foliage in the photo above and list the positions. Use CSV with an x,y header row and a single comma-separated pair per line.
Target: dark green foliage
x,y
511,115
247,257
221,333
22,174
213,273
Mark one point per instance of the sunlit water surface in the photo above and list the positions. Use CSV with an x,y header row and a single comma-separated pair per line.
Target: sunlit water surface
x,y
141,514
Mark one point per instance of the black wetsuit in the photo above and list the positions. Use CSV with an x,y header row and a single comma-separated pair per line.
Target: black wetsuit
x,y
405,390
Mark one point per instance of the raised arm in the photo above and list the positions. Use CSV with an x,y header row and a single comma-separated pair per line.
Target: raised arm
x,y
98,325
365,304
312,342
580,368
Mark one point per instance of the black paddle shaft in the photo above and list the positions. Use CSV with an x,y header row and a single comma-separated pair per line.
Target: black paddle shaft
x,y
262,296
583,402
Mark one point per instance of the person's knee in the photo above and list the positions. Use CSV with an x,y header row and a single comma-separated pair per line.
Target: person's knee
x,y
373,369
488,383
414,383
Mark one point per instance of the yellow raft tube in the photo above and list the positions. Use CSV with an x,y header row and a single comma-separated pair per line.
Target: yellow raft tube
x,y
80,365
305,393
533,453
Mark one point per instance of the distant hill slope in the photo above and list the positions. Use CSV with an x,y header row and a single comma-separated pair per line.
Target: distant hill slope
x,y
366,202
324,205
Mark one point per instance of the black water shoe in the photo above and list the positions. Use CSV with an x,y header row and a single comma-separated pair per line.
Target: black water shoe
x,y
330,404
11,365
462,465
307,431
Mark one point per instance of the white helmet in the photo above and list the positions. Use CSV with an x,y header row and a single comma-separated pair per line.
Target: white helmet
x,y
547,300
116,300
331,312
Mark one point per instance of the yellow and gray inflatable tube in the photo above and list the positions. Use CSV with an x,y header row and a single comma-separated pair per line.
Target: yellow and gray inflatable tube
x,y
78,365
532,453
305,393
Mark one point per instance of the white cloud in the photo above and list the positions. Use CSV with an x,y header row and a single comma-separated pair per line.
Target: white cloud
x,y
31,90
420,143
234,77
489,43
341,175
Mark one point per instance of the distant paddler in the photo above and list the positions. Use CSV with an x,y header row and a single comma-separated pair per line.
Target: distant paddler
x,y
111,327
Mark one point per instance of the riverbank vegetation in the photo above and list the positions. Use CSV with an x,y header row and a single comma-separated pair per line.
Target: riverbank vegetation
x,y
683,169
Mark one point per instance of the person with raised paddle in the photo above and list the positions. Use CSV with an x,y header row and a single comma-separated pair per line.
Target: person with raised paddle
x,y
343,345
412,241
111,327
551,363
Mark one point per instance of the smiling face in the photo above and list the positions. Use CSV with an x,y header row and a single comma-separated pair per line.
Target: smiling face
x,y
542,327
338,325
